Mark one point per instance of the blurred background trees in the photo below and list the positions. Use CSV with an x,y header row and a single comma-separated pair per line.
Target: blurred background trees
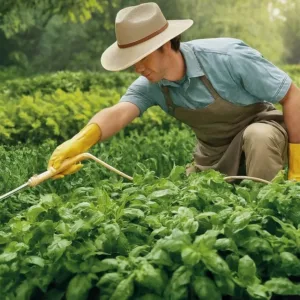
x,y
51,35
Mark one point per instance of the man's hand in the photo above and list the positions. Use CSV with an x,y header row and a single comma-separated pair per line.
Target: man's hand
x,y
80,143
294,162
103,125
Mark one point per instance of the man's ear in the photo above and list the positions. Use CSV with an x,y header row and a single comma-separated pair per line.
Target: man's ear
x,y
167,47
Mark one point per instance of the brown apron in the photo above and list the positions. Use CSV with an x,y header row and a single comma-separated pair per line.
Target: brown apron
x,y
219,128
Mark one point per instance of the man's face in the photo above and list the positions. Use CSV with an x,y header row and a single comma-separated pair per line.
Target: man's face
x,y
153,66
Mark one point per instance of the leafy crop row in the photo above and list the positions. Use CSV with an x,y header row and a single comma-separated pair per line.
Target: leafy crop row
x,y
156,238
60,115
157,151
56,106
66,81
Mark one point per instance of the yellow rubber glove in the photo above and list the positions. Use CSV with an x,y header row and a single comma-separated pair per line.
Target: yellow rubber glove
x,y
294,162
80,143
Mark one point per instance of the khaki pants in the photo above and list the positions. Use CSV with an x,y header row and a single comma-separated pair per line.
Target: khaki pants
x,y
265,150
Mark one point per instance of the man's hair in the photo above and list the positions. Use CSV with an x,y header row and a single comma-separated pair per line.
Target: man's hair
x,y
175,43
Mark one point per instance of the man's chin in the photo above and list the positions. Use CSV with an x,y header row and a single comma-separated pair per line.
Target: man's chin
x,y
152,79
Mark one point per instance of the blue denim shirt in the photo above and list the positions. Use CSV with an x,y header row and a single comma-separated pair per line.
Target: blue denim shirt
x,y
239,73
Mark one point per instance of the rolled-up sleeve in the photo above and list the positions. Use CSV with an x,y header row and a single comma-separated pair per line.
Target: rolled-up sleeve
x,y
257,75
139,93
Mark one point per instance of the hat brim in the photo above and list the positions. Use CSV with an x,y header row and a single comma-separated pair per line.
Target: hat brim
x,y
117,59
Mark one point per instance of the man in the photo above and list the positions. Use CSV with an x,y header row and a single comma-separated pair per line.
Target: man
x,y
221,88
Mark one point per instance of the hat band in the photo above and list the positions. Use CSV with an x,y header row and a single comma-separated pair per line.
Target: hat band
x,y
148,37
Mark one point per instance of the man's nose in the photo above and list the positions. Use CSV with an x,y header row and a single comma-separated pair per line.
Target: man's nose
x,y
139,68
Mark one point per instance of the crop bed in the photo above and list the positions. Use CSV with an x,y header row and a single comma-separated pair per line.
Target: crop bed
x,y
177,237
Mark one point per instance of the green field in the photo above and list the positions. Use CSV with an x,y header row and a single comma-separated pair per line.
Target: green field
x,y
95,235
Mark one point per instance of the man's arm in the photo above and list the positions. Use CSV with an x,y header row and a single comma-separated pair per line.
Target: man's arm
x,y
111,120
291,112
103,125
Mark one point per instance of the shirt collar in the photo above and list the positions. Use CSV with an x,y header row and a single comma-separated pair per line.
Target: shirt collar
x,y
193,68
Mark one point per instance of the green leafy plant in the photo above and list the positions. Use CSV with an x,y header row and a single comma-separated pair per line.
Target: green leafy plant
x,y
173,237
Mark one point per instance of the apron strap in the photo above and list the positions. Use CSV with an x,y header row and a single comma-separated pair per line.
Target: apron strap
x,y
170,105
209,86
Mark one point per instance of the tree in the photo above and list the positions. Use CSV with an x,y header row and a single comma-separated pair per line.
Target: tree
x,y
291,31
20,15
249,20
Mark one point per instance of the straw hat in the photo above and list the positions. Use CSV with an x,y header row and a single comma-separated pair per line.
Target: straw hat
x,y
140,30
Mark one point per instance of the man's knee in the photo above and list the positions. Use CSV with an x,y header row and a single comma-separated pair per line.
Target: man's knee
x,y
262,136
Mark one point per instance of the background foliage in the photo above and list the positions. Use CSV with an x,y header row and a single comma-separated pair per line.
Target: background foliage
x,y
56,106
43,36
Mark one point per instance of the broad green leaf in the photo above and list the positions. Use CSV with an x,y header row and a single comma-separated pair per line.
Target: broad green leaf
x,y
136,252
63,228
258,245
103,199
225,284
133,213
123,246
233,261
225,244
7,256
243,192
79,287
58,247
162,193
112,230
47,226
159,231
171,245
109,281
222,217
190,226
72,266
176,173
290,263
207,240
124,290
175,242
49,201
4,237
215,263
35,260
153,221
94,265
259,292
108,284
247,270
160,257
20,226
190,256
16,247
150,277
206,289
239,221
177,286
282,286
24,290
78,225
34,211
